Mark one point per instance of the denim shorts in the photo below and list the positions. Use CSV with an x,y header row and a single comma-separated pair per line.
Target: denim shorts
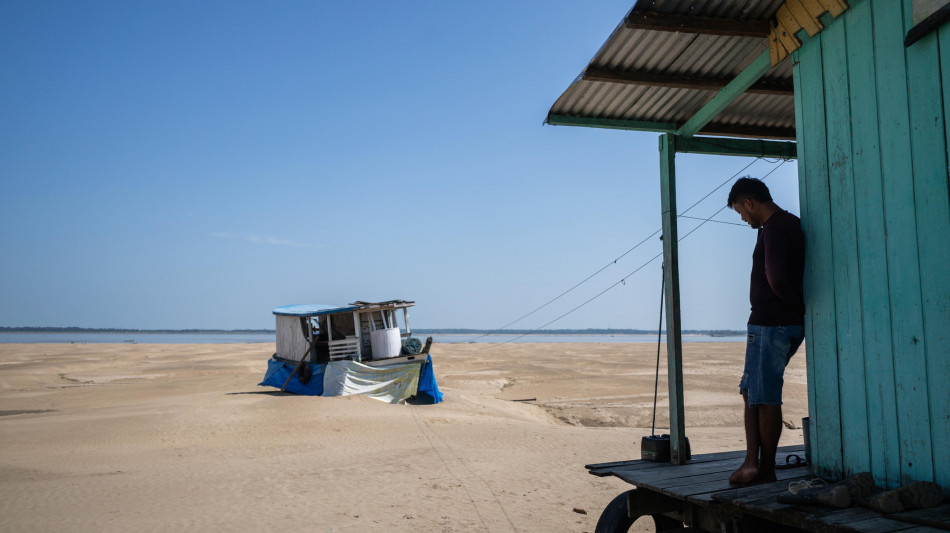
x,y
767,353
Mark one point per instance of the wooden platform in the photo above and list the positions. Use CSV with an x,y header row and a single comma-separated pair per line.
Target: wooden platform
x,y
699,493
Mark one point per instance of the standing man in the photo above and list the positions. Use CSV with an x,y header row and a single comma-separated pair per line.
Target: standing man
x,y
775,329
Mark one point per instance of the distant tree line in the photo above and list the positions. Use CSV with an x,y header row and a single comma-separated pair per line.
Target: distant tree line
x,y
589,331
429,331
55,329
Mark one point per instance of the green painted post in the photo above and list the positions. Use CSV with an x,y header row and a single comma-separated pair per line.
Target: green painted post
x,y
845,271
871,242
674,343
820,329
929,157
903,266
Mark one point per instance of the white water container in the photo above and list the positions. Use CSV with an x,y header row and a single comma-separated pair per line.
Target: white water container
x,y
386,343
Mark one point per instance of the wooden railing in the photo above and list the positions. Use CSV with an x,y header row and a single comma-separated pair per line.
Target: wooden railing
x,y
344,347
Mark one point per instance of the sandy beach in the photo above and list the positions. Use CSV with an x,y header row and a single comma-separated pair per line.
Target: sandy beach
x,y
171,437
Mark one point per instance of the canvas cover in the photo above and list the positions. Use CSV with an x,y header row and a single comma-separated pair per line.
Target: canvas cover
x,y
391,384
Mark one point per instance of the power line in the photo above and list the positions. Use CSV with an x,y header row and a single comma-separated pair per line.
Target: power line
x,y
608,265
711,220
641,267
598,295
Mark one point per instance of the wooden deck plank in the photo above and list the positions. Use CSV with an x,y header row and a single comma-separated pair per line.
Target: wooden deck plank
x,y
876,525
851,515
703,494
920,517
684,486
689,471
639,476
784,478
704,482
743,495
647,473
609,468
940,513
703,458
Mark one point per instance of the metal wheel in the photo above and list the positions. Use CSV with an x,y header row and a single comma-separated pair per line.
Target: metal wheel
x,y
614,518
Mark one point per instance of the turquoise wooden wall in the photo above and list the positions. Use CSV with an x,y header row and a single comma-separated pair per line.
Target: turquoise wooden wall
x,y
872,121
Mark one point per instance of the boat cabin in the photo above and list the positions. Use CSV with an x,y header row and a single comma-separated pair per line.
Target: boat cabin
x,y
367,332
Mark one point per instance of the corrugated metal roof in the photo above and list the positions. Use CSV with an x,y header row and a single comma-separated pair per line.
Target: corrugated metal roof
x,y
716,58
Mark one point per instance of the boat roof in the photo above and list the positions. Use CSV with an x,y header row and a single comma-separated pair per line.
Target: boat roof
x,y
324,309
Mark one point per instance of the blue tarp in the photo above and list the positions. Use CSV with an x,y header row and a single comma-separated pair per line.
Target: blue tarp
x,y
278,371
428,388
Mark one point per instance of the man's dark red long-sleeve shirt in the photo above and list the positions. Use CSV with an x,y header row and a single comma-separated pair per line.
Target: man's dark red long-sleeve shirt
x,y
778,267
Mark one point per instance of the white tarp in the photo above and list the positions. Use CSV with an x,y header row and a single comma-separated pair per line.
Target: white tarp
x,y
390,384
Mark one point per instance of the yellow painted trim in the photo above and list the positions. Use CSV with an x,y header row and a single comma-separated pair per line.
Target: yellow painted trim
x,y
794,16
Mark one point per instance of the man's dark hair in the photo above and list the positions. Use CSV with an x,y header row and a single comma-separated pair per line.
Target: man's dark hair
x,y
747,187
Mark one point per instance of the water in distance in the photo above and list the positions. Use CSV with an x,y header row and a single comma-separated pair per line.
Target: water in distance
x,y
137,338
231,338
496,339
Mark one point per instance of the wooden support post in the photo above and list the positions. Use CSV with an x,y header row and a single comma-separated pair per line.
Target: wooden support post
x,y
674,343
359,339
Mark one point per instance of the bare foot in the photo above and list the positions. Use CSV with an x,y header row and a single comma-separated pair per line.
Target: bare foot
x,y
765,477
744,475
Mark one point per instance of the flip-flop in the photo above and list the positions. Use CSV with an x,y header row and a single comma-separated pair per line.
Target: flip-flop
x,y
792,461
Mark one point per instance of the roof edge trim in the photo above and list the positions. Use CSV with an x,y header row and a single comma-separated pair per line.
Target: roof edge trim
x,y
650,20
736,147
611,123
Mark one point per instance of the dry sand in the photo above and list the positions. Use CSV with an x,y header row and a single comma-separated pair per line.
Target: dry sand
x,y
165,437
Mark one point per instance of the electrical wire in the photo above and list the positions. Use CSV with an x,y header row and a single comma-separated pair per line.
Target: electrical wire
x,y
608,265
711,220
659,338
598,295
623,280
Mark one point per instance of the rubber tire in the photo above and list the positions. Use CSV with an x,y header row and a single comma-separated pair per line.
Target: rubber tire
x,y
614,518
304,374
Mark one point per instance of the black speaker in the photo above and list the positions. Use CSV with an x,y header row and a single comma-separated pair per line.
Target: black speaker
x,y
656,448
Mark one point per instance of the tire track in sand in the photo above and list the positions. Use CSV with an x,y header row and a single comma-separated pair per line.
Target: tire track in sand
x,y
485,501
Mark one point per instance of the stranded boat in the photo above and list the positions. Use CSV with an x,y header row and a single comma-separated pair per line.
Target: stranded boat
x,y
332,350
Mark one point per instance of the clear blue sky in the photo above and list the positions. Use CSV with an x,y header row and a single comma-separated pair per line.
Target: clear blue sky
x,y
196,164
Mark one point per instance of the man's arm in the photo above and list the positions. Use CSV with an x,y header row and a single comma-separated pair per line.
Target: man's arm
x,y
777,247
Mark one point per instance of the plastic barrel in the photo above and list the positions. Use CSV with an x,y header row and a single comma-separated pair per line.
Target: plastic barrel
x,y
386,343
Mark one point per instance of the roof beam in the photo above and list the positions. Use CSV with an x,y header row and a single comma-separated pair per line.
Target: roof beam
x,y
754,132
680,82
757,132
648,20
611,123
739,147
728,94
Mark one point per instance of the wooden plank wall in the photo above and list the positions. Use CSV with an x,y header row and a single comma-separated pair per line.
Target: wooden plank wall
x,y
872,132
